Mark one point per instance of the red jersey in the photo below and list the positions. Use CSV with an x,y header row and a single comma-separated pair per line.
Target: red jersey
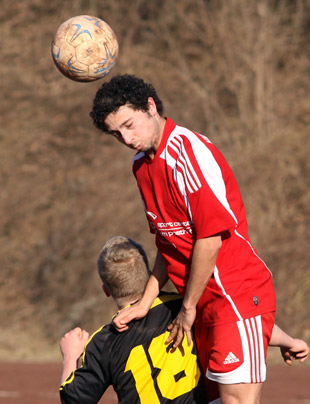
x,y
190,192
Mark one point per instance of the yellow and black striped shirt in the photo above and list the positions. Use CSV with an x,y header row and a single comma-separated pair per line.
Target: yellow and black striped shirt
x,y
138,363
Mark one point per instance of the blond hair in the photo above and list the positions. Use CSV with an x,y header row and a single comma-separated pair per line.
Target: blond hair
x,y
123,268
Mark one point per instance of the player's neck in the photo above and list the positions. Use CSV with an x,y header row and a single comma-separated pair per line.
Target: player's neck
x,y
160,123
130,303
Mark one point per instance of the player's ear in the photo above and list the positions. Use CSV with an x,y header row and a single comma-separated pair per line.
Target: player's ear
x,y
152,106
104,288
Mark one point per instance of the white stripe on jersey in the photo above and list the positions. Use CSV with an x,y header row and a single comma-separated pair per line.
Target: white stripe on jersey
x,y
189,167
257,256
218,281
181,164
207,163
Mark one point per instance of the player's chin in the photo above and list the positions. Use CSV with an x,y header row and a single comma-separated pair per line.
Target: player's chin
x,y
130,146
138,148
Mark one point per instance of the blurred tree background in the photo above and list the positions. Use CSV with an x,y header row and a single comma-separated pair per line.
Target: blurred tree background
x,y
236,71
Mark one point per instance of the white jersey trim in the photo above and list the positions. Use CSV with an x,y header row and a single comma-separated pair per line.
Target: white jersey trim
x,y
228,297
205,159
253,251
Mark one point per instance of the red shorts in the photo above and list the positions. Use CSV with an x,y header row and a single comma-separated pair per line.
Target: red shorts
x,y
235,352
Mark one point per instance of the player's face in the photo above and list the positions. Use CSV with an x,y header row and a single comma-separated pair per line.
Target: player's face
x,y
141,131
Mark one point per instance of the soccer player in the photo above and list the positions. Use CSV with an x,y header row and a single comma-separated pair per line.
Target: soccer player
x,y
110,357
195,209
140,365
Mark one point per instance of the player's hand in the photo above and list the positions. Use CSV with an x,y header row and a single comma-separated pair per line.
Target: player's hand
x,y
73,342
298,351
181,325
126,315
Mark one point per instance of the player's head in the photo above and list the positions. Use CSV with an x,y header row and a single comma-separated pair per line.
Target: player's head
x,y
124,269
119,91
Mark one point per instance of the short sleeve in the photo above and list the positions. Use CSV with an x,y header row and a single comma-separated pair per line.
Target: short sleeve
x,y
87,384
204,187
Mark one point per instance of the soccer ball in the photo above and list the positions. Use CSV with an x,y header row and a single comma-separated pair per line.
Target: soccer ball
x,y
84,48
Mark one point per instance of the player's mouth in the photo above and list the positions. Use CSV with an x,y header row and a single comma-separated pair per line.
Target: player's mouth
x,y
137,146
130,145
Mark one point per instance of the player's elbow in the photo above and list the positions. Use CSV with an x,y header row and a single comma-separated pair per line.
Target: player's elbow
x,y
211,245
215,245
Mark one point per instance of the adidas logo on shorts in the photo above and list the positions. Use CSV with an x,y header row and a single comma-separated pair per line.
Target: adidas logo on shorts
x,y
231,358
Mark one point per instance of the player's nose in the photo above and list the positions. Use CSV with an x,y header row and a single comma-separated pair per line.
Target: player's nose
x,y
127,137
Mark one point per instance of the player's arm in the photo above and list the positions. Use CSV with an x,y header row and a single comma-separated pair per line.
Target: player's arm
x,y
158,279
203,262
72,347
85,382
291,348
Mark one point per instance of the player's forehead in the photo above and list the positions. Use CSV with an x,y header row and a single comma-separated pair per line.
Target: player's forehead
x,y
119,117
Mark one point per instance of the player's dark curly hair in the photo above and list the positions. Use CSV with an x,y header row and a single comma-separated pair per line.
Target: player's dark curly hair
x,y
121,90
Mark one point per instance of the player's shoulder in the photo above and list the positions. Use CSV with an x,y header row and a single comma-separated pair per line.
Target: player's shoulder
x,y
107,334
167,298
101,336
166,302
182,137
